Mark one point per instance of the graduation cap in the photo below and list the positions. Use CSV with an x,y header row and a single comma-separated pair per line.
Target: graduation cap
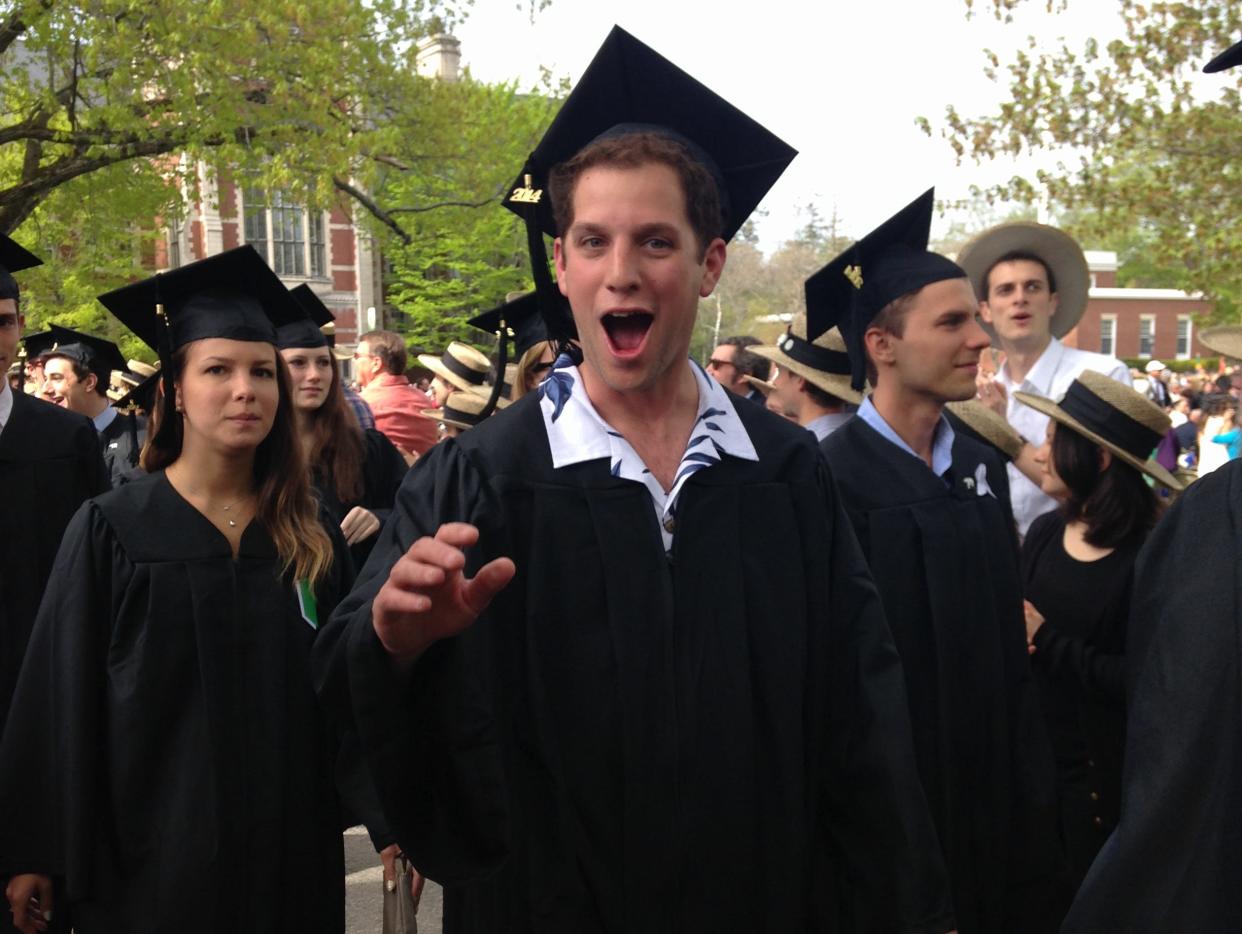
x,y
629,88
37,345
233,295
1226,59
13,258
518,319
306,332
141,396
891,261
99,356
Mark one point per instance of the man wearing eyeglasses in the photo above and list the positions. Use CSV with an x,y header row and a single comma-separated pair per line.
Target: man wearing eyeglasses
x,y
731,362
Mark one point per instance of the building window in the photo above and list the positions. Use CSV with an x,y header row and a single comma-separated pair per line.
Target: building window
x,y
289,237
1147,335
1183,337
174,244
1108,335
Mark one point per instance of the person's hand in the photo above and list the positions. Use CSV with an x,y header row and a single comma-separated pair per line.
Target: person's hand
x,y
388,858
358,525
30,900
408,456
992,394
1034,619
427,597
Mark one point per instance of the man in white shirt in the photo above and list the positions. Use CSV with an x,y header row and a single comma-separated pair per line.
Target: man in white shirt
x,y
1032,283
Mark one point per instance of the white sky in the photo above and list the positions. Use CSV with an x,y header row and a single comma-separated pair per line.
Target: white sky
x,y
841,81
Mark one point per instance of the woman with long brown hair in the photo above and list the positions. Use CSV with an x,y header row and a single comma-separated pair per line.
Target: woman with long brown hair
x,y
166,761
354,471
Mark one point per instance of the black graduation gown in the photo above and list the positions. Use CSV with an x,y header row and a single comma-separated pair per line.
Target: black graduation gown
x,y
382,472
165,756
1172,863
712,741
49,464
945,562
122,442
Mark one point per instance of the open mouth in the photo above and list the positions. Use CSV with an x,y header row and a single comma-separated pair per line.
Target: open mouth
x,y
627,330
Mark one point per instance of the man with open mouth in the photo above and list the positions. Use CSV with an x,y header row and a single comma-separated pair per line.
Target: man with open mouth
x,y
616,661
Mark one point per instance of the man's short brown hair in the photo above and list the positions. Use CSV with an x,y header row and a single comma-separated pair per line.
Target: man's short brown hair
x,y
892,318
631,151
388,348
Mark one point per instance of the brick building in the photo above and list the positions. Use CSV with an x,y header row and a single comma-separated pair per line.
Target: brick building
x,y
1145,323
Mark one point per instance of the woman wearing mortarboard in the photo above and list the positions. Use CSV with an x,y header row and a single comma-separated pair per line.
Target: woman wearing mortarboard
x,y
166,761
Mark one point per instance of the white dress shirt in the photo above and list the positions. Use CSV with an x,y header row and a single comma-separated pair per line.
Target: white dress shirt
x,y
6,404
825,425
578,433
1050,377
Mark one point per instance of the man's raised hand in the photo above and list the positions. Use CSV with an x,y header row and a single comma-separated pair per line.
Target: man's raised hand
x,y
427,597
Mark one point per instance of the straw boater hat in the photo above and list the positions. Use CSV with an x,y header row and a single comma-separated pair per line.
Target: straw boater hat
x,y
1059,251
1225,340
823,361
757,383
460,365
989,426
461,409
1114,416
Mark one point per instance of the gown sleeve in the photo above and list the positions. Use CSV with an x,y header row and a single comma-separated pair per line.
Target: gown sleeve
x,y
428,735
51,758
876,806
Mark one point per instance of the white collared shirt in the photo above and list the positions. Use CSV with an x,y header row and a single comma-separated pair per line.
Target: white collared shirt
x,y
6,404
1050,377
578,433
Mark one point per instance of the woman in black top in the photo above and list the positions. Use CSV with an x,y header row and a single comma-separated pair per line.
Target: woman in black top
x,y
1078,566
355,471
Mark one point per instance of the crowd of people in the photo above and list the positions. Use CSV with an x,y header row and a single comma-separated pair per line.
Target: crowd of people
x,y
896,624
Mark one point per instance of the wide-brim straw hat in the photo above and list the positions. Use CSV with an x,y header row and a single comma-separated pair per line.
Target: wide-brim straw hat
x,y
460,365
1115,417
989,426
485,393
823,362
1225,340
1059,251
460,409
757,383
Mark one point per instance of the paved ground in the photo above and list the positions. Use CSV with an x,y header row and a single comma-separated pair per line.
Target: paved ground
x,y
364,900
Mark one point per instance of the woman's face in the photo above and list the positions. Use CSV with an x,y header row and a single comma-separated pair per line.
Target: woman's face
x,y
1050,481
228,394
310,376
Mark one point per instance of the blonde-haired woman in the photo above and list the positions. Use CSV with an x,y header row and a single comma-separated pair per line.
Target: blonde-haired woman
x,y
166,761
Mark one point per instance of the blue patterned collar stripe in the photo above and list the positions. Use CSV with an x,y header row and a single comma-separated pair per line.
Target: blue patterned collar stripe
x,y
578,433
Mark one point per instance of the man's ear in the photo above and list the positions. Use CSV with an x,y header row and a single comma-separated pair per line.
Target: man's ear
x,y
713,266
880,346
91,381
558,260
985,312
1106,458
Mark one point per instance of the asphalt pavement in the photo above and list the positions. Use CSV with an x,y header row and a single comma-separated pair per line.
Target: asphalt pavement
x,y
364,890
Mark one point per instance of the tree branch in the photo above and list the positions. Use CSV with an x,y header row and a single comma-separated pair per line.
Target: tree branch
x,y
372,207
13,26
443,204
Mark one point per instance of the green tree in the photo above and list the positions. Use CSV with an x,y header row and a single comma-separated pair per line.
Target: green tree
x,y
1147,145
457,250
107,108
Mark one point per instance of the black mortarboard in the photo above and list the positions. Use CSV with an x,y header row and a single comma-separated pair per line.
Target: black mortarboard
x,y
141,396
37,345
305,332
232,295
13,258
99,356
891,261
628,87
1226,59
519,319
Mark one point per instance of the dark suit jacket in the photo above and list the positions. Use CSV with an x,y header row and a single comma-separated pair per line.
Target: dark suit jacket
x,y
49,464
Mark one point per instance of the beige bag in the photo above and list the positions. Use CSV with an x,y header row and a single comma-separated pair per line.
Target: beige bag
x,y
400,908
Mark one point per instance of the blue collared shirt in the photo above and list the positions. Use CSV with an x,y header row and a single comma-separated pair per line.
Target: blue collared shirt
x,y
942,438
578,433
104,418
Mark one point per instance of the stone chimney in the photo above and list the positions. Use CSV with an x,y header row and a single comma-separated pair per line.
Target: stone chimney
x,y
439,57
